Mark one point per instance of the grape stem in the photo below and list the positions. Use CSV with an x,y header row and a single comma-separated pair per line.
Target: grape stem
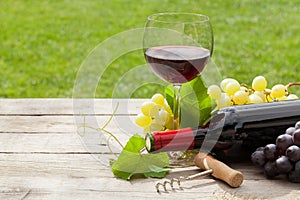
x,y
245,85
248,87
292,84
103,128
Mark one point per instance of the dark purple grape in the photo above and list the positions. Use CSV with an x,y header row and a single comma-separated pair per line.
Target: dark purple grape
x,y
293,153
270,169
297,125
296,137
260,149
283,165
294,176
283,142
270,152
297,166
290,131
258,158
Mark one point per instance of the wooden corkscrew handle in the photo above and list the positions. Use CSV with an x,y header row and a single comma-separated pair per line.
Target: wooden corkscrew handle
x,y
221,171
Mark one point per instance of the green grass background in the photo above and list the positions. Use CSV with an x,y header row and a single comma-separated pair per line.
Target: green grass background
x,y
44,42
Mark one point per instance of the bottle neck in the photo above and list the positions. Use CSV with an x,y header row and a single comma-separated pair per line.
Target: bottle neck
x,y
171,140
181,140
174,140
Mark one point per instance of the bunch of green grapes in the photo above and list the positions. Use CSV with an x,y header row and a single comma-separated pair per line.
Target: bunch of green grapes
x,y
231,92
156,115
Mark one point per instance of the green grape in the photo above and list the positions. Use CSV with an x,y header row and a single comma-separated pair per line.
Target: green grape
x,y
268,97
259,83
143,120
278,91
292,97
170,123
254,98
243,88
158,99
283,98
267,91
162,117
167,108
232,87
261,94
149,108
240,97
224,83
224,101
153,112
214,92
156,127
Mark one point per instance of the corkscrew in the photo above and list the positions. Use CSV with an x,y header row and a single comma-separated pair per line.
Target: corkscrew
x,y
211,166
181,178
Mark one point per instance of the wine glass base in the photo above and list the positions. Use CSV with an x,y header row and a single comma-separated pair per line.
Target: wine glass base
x,y
182,158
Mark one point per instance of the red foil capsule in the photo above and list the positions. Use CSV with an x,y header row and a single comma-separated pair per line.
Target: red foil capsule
x,y
172,140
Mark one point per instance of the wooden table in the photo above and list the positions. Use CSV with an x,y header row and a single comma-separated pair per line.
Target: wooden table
x,y
42,156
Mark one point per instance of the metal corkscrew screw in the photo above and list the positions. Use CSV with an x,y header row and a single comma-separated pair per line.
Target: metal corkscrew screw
x,y
211,166
181,178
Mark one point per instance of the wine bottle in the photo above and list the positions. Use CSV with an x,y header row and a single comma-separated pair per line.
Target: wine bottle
x,y
250,126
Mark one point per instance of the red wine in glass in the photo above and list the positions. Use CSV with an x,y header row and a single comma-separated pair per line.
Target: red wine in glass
x,y
177,64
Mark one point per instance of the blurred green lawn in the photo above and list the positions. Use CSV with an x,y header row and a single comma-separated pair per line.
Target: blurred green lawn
x,y
44,42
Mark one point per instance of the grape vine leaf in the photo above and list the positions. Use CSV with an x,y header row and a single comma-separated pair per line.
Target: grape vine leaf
x,y
196,105
131,161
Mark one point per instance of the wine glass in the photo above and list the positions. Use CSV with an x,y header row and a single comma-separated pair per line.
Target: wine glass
x,y
177,47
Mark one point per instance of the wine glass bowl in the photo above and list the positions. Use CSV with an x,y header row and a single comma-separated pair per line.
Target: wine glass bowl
x,y
177,47
177,64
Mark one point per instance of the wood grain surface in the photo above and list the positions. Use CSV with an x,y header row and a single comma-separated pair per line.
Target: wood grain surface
x,y
46,154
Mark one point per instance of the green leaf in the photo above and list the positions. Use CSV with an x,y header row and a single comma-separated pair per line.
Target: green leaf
x,y
196,105
169,95
131,161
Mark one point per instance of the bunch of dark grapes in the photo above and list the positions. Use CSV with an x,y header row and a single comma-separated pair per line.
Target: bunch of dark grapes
x,y
282,157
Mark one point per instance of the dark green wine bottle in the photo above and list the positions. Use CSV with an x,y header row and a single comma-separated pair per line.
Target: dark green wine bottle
x,y
249,126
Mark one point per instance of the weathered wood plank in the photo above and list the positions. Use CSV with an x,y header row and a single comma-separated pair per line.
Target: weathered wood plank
x,y
65,124
68,106
205,188
72,175
26,124
86,165
35,143
58,143
43,157
73,165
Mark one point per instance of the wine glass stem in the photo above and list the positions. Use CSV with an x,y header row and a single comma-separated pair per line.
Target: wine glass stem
x,y
176,106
